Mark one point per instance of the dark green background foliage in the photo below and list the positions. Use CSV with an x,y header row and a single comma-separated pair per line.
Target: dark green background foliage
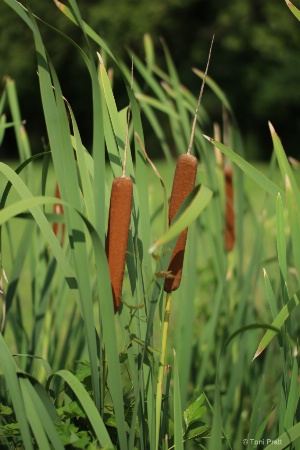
x,y
256,57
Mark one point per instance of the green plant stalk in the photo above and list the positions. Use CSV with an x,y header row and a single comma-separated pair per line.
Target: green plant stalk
x,y
162,365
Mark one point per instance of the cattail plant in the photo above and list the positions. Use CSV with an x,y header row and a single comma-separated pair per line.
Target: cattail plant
x,y
183,184
118,228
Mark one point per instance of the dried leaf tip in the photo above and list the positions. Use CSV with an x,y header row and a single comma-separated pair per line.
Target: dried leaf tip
x,y
208,138
257,353
272,129
100,59
288,185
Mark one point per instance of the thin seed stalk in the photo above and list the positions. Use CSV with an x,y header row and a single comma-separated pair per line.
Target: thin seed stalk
x,y
162,365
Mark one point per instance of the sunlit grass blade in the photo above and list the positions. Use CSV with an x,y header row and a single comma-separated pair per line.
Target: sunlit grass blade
x,y
277,323
281,245
149,51
20,133
107,319
190,210
257,415
270,295
66,170
294,216
293,398
293,9
178,428
283,441
30,202
40,420
150,114
184,117
215,440
284,164
88,30
87,191
186,319
9,369
249,170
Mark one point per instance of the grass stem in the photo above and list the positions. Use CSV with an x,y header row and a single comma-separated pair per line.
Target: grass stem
x,y
162,365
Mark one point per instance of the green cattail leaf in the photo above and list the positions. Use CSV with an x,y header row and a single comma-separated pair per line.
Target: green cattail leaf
x,y
157,104
293,9
285,439
178,427
9,368
149,51
271,296
192,207
293,398
88,406
249,170
281,318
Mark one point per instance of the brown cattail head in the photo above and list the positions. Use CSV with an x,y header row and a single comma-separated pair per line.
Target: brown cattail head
x,y
117,235
229,210
183,184
58,209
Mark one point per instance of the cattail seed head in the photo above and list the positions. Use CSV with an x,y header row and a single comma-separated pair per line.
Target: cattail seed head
x,y
117,235
229,210
183,184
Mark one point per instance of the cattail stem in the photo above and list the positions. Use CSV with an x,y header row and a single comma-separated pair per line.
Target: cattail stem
x,y
161,371
200,98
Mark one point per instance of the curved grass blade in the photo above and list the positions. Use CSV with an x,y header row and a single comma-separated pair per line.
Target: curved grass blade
x,y
88,405
284,439
271,296
30,202
184,117
249,170
192,207
36,416
9,369
277,323
293,9
293,398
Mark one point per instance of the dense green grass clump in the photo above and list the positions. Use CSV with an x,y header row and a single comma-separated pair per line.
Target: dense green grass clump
x,y
77,372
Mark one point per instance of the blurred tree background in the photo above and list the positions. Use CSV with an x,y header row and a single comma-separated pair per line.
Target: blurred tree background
x,y
255,60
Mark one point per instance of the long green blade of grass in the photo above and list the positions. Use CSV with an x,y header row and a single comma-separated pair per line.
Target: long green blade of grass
x,y
178,429
190,210
283,441
249,170
8,366
280,319
88,406
293,9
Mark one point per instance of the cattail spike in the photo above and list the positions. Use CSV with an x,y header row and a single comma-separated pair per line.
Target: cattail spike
x,y
183,184
117,235
229,210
